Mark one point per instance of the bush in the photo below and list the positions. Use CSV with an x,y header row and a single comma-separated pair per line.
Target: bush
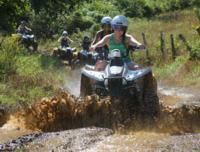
x,y
8,51
148,8
45,26
99,9
134,8
195,52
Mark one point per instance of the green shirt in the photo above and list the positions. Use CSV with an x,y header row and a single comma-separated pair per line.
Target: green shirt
x,y
121,46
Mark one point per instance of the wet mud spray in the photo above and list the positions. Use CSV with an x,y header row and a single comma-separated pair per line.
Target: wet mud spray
x,y
65,111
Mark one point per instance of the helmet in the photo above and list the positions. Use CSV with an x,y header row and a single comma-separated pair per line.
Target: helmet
x,y
23,22
86,38
64,33
119,20
106,20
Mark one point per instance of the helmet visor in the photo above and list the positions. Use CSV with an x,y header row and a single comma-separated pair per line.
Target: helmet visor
x,y
106,25
118,27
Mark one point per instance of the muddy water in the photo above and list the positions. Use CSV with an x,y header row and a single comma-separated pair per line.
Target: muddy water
x,y
176,129
71,84
148,141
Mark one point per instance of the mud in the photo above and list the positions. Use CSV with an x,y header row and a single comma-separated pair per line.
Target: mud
x,y
70,140
18,143
148,142
4,116
65,111
177,124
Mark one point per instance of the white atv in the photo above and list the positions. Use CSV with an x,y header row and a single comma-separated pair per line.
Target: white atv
x,y
115,79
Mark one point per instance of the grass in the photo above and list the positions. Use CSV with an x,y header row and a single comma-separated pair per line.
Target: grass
x,y
36,76
170,69
36,63
178,22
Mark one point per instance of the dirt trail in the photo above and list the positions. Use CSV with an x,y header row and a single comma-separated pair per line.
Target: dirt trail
x,y
179,120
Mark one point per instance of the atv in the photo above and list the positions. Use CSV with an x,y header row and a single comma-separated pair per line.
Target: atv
x,y
87,57
115,79
65,53
28,40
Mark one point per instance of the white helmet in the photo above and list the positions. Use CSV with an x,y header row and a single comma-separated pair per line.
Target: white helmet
x,y
119,20
64,33
106,20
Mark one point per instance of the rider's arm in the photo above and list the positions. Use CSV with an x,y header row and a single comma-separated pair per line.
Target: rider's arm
x,y
19,29
28,29
96,38
134,42
70,40
101,43
60,38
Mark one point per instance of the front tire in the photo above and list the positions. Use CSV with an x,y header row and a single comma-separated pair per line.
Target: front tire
x,y
150,97
86,88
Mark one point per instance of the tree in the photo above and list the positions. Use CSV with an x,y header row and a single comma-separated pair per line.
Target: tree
x,y
11,11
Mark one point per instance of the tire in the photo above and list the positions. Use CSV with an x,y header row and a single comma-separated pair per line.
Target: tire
x,y
86,88
150,97
35,46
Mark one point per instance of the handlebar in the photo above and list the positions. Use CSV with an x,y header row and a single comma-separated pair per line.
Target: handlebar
x,y
133,48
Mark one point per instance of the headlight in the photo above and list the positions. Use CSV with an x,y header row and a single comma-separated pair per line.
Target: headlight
x,y
124,82
106,82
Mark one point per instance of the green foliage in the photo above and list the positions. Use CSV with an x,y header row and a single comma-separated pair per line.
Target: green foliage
x,y
197,12
195,52
148,8
31,78
136,8
51,17
170,68
8,51
36,64
45,26
97,9
55,7
11,11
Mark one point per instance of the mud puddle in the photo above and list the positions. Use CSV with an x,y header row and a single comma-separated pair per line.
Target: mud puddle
x,y
76,140
176,129
177,96
148,141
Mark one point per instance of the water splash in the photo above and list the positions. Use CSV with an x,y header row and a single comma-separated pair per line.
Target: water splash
x,y
72,82
65,111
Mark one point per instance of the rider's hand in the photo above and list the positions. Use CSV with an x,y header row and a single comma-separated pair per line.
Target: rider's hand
x,y
142,47
92,48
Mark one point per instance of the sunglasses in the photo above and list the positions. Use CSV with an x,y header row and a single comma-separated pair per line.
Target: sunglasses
x,y
118,28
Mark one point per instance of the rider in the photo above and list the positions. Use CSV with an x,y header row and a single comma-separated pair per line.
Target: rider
x,y
119,39
106,29
64,39
23,29
86,43
26,34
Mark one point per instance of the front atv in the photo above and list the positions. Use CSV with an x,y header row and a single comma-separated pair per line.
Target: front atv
x,y
115,79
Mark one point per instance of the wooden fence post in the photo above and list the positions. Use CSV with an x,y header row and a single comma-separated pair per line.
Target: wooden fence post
x,y
174,54
145,43
182,38
162,45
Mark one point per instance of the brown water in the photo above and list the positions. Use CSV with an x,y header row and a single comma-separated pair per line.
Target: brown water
x,y
176,129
